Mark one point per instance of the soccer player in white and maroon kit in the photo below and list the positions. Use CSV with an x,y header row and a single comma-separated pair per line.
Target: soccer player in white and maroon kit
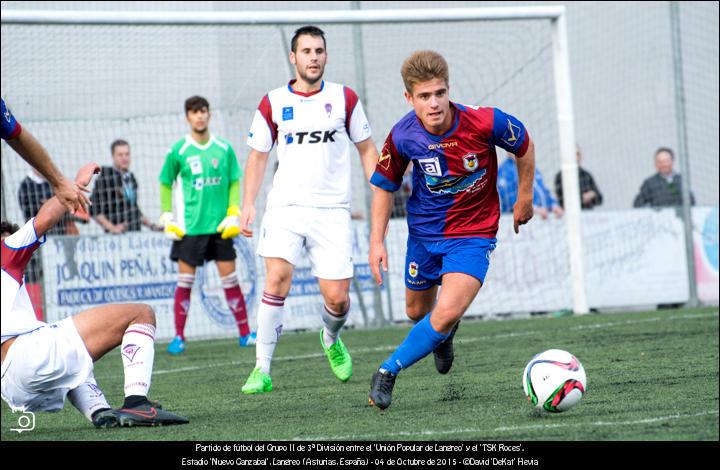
x,y
44,363
314,123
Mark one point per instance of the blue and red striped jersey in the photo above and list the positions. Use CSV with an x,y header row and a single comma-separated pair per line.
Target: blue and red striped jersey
x,y
454,175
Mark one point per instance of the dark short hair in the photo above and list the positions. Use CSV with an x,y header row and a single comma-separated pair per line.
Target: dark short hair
x,y
8,227
118,143
196,103
665,149
310,31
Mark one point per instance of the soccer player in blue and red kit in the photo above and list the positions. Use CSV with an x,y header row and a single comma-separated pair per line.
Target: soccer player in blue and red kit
x,y
453,211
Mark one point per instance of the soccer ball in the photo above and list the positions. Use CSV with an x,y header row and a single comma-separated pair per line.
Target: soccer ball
x,y
554,380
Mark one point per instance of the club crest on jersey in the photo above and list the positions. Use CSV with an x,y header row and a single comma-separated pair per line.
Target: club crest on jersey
x,y
287,113
215,163
511,134
470,162
328,108
430,166
413,269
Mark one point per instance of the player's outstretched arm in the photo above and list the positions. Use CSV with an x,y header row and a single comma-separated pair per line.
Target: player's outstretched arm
x,y
523,208
254,173
379,217
70,194
53,210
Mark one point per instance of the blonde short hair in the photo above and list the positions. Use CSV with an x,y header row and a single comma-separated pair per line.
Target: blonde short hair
x,y
423,66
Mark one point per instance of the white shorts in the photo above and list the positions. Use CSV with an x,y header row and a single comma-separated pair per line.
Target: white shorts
x,y
326,234
42,366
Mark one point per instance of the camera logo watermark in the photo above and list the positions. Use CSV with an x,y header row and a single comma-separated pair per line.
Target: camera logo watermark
x,y
26,421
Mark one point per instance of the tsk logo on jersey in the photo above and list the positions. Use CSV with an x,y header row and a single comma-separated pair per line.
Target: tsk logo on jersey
x,y
288,113
430,166
511,135
314,137
470,162
413,269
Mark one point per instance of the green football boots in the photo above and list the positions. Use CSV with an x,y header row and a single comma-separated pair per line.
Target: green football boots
x,y
339,358
258,382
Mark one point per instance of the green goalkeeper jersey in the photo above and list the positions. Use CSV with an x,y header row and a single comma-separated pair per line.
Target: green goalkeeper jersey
x,y
206,172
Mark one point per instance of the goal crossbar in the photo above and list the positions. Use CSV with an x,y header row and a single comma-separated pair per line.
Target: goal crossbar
x,y
277,17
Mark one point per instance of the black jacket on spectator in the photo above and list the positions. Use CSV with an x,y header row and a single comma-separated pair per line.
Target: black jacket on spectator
x,y
657,192
31,196
114,200
587,183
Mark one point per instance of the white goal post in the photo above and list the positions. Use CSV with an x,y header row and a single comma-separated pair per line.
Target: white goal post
x,y
556,15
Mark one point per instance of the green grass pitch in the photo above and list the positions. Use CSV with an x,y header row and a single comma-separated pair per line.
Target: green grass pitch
x,y
651,376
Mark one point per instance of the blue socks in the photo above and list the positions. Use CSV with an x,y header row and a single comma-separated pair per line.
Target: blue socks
x,y
421,341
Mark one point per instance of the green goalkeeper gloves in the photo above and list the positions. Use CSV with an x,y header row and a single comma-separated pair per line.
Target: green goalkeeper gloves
x,y
172,229
230,226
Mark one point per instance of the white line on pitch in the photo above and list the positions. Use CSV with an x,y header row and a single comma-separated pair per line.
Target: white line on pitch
x,y
607,423
485,432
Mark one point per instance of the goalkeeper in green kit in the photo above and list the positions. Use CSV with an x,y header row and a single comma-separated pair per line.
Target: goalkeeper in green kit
x,y
209,180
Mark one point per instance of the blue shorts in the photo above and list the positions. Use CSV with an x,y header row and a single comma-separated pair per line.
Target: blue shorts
x,y
427,261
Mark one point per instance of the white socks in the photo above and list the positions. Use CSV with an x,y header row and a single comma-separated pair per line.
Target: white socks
x,y
138,354
269,328
88,398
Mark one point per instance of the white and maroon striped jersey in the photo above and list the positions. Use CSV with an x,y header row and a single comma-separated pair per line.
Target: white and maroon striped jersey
x,y
313,132
17,316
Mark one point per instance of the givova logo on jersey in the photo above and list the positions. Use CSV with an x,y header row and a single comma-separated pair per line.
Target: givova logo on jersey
x,y
313,137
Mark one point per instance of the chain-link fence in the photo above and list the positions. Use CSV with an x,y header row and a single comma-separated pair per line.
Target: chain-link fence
x,y
78,88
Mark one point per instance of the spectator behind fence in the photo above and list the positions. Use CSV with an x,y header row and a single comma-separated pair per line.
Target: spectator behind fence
x,y
114,199
663,189
507,185
34,191
590,195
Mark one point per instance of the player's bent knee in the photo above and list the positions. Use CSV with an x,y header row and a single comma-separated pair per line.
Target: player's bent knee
x,y
145,314
444,319
416,312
